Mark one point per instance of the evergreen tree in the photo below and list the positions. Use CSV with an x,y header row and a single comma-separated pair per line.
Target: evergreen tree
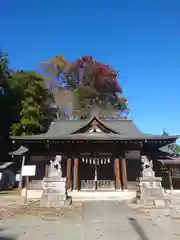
x,y
33,103
5,106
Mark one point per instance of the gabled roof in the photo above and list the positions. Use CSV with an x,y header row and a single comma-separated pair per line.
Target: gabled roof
x,y
167,149
74,129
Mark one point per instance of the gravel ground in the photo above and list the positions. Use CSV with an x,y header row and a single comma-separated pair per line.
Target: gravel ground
x,y
86,221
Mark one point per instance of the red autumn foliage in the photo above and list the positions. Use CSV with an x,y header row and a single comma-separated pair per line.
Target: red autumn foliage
x,y
95,73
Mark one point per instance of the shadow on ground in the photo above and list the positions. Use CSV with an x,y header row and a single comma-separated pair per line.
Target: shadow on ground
x,y
5,237
139,230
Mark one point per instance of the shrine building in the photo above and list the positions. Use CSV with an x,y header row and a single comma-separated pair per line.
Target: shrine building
x,y
97,155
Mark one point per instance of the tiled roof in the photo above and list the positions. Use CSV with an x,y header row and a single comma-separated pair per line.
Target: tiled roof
x,y
121,130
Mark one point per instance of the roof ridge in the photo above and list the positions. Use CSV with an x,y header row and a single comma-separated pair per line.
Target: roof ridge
x,y
116,120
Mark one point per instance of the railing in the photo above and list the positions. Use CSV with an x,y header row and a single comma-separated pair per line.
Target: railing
x,y
105,184
87,184
97,185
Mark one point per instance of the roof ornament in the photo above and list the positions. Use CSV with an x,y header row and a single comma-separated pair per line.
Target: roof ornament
x,y
94,126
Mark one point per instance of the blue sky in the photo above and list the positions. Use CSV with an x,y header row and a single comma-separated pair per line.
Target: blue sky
x,y
140,38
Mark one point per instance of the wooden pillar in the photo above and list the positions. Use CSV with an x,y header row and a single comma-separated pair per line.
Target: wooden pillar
x,y
46,170
75,180
117,173
68,174
124,173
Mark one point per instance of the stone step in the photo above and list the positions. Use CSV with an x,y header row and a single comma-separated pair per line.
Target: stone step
x,y
35,184
86,196
100,196
32,194
55,202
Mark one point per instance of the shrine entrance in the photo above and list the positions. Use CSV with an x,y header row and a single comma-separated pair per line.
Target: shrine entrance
x,y
96,174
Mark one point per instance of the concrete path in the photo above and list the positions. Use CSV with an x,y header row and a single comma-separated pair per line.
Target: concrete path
x,y
108,220
103,220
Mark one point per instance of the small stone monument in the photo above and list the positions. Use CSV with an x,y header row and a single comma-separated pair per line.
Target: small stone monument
x,y
150,191
54,188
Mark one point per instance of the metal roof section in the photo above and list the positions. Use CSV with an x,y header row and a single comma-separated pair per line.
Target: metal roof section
x,y
170,161
5,165
20,151
167,149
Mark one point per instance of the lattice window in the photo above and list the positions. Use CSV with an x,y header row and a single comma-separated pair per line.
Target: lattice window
x,y
175,170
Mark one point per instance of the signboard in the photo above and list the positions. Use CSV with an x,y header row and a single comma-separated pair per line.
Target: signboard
x,y
29,170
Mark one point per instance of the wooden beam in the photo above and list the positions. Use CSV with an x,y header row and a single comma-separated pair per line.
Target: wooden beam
x,y
75,175
124,173
117,173
68,174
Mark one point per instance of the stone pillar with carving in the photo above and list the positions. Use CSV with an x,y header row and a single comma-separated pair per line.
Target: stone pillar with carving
x,y
150,190
54,188
75,174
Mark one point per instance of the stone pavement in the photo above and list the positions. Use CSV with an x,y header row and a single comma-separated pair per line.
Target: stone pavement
x,y
115,220
107,220
95,220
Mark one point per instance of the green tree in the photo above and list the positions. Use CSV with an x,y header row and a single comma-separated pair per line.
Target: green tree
x,y
5,96
91,83
33,102
5,106
177,149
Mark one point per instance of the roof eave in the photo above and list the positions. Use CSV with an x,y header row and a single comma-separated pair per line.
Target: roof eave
x,y
85,137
